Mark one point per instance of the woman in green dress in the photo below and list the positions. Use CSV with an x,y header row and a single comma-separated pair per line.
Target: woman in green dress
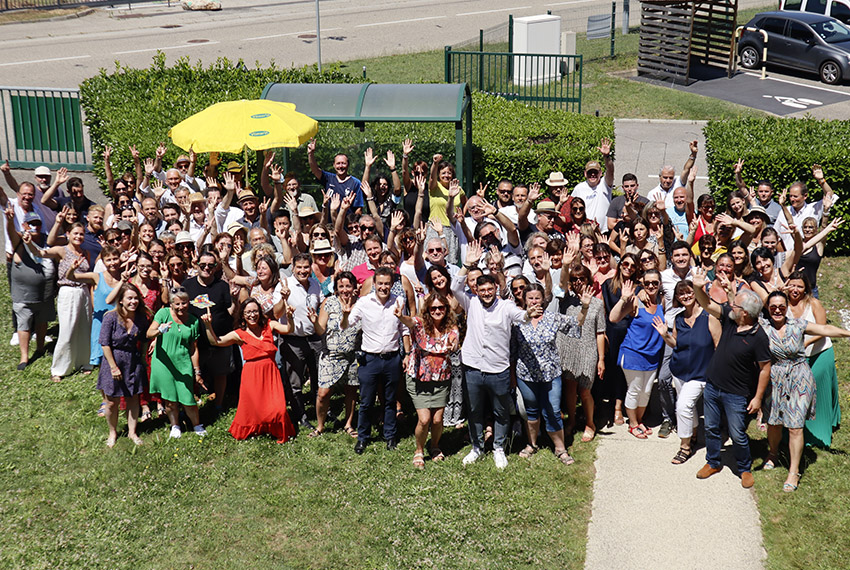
x,y
174,363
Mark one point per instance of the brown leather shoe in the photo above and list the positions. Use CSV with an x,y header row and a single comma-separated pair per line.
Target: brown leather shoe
x,y
747,480
707,471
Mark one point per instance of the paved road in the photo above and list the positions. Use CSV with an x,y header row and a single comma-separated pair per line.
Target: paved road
x,y
61,54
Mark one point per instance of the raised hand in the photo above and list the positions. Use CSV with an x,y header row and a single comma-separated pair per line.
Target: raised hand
x,y
699,277
238,248
534,192
407,146
397,220
692,227
604,147
724,219
692,175
269,160
335,201
369,157
474,253
345,304
397,311
284,290
421,233
586,296
311,315
158,188
482,189
390,160
276,173
437,158
659,325
229,181
546,262
496,257
264,206
134,152
421,183
5,166
628,290
161,149
193,158
311,146
347,201
291,203
694,147
107,152
454,189
62,176
782,196
149,166
739,166
207,319
817,171
366,188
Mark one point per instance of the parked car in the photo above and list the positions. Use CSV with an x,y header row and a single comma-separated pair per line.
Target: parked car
x,y
799,40
838,9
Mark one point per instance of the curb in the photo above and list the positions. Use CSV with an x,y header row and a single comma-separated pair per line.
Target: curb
x,y
79,14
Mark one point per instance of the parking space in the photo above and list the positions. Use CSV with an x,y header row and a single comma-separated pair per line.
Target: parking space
x,y
777,94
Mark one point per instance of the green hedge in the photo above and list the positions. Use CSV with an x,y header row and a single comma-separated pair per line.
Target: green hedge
x,y
782,151
139,106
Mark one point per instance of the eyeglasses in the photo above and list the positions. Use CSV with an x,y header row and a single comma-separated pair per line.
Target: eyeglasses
x,y
114,240
408,239
651,283
577,208
206,265
626,264
251,313
320,235
175,265
646,259
176,290
518,289
127,232
184,245
367,228
42,176
654,214
435,250
437,309
600,257
773,308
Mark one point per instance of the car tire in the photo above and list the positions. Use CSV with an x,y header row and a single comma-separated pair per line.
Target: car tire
x,y
830,72
750,58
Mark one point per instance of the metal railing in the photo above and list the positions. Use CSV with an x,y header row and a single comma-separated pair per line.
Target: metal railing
x,y
43,126
6,5
545,80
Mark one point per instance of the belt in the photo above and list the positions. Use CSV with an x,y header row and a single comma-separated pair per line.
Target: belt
x,y
382,355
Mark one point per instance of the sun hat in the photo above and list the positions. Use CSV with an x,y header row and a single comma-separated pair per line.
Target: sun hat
x,y
556,179
183,237
321,246
42,171
546,207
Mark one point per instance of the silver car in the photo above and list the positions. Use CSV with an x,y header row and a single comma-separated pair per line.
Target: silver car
x,y
799,40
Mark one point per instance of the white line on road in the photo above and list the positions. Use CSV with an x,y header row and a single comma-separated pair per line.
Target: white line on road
x,y
44,60
290,34
572,2
493,11
163,48
400,21
800,84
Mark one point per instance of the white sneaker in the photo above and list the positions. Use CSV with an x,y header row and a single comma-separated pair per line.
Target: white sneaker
x,y
175,432
14,340
48,339
472,456
199,430
499,458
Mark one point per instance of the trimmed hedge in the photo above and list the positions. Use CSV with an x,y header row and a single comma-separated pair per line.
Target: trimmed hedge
x,y
511,140
139,106
782,151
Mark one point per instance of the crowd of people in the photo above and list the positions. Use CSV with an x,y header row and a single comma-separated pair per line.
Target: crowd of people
x,y
401,290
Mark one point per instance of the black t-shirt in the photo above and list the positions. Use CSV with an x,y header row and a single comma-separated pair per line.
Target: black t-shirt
x,y
618,204
734,368
83,210
219,293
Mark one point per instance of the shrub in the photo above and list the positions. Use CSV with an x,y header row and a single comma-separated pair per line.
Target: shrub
x,y
781,151
139,106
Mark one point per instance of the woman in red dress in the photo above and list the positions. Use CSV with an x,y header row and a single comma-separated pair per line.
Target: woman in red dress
x,y
262,404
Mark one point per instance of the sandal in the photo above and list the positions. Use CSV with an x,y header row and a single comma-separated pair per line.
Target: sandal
x,y
436,454
419,460
638,432
351,431
528,451
790,487
56,378
565,458
682,455
588,435
618,418
315,433
646,430
769,463
145,416
101,411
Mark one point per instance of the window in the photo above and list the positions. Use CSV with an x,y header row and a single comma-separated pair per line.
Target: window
x,y
840,12
831,31
792,5
797,31
816,6
773,25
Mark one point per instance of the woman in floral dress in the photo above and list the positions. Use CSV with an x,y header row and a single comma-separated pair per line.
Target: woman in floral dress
x,y
428,369
791,399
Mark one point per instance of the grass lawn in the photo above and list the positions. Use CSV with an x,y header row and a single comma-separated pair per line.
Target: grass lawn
x,y
32,15
809,528
66,501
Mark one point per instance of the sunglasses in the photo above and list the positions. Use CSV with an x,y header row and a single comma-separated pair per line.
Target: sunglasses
x,y
114,240
320,234
322,255
175,265
367,228
437,309
651,283
577,208
176,290
206,265
654,214
627,264
592,172
435,250
646,259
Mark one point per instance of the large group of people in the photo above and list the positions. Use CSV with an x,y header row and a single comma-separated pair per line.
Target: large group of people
x,y
401,290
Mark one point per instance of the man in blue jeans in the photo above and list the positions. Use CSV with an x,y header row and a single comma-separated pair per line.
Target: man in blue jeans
x,y
381,364
737,376
486,355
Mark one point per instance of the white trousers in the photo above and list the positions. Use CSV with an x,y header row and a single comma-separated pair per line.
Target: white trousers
x,y
686,405
73,307
640,387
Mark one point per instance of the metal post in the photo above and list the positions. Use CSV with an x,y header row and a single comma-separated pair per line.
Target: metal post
x,y
481,59
510,44
448,64
625,17
613,24
318,38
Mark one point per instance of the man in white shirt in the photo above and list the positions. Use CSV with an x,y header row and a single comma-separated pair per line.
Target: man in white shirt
x,y
486,356
668,181
381,362
801,209
300,349
596,189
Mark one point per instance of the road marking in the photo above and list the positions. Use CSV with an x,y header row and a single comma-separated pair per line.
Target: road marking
x,y
44,60
568,3
289,34
492,11
400,21
163,48
800,84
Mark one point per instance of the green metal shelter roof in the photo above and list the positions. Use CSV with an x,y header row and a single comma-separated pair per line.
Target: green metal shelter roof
x,y
372,102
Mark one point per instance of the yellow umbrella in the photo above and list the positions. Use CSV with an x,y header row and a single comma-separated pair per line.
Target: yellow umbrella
x,y
233,126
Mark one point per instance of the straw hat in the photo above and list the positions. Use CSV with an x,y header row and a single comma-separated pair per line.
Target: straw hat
x,y
556,179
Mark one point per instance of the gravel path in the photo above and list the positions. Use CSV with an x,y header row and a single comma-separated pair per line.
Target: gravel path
x,y
651,514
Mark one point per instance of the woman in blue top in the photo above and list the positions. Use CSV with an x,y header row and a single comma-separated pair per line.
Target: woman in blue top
x,y
642,348
538,368
693,338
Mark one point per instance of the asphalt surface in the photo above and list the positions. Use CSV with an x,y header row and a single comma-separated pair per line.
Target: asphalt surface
x,y
648,513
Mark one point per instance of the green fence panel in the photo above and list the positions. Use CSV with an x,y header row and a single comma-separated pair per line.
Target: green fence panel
x,y
47,123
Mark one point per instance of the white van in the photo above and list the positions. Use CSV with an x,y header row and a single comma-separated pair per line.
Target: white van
x,y
838,9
